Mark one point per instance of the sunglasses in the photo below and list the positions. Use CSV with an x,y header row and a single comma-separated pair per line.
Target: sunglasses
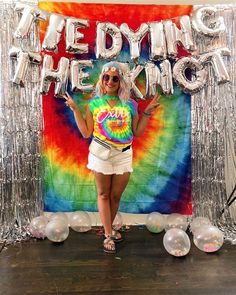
x,y
107,77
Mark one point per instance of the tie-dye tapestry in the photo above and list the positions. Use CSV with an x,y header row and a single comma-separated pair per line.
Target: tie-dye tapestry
x,y
161,180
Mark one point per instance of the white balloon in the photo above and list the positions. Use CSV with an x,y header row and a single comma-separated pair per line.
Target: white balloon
x,y
118,221
176,220
176,242
37,226
198,222
57,231
80,221
208,238
155,222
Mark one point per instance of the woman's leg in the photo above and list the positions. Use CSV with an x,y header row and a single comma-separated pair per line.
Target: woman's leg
x,y
103,184
118,185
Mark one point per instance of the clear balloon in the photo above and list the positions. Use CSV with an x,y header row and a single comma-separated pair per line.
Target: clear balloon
x,y
80,221
198,222
198,74
214,28
135,39
118,221
155,222
73,35
176,220
208,238
103,29
59,216
53,33
37,226
57,231
176,242
49,75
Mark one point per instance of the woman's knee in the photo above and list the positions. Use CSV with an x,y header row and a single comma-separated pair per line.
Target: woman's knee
x,y
104,196
115,196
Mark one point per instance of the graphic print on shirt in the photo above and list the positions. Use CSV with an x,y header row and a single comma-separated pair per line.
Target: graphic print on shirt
x,y
113,124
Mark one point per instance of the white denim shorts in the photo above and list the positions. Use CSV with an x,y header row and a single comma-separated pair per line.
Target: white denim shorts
x,y
118,163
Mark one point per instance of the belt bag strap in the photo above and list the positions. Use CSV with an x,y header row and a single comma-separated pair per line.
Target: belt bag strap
x,y
104,144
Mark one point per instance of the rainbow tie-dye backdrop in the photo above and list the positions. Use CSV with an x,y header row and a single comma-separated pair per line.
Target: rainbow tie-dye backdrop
x,y
161,180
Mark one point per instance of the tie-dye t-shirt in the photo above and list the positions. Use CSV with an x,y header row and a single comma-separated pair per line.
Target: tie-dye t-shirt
x,y
113,124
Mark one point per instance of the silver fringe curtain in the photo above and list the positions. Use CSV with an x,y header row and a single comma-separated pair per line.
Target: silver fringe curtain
x,y
214,134
20,133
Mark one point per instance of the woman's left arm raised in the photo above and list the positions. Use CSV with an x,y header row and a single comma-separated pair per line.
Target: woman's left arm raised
x,y
139,123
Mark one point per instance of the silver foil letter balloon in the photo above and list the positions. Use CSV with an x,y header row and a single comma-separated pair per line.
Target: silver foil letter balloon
x,y
53,33
157,41
155,77
133,75
134,39
59,76
73,35
23,60
104,28
29,15
214,28
199,74
77,75
175,36
215,58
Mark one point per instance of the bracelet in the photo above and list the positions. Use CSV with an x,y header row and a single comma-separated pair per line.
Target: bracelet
x,y
147,114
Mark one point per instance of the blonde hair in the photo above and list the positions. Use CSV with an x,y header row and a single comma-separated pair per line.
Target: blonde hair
x,y
124,87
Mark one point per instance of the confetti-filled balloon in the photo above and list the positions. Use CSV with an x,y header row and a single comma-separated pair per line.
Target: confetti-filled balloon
x,y
198,222
208,238
37,226
80,221
176,220
57,231
155,222
59,216
176,242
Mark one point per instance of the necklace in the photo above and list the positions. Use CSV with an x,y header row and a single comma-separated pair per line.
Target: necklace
x,y
111,97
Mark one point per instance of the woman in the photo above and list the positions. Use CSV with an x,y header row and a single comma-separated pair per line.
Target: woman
x,y
112,118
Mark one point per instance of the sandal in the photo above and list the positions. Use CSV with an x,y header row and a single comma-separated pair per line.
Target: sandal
x,y
116,235
109,245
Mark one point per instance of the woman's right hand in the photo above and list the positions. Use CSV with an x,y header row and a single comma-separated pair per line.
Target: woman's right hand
x,y
69,101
